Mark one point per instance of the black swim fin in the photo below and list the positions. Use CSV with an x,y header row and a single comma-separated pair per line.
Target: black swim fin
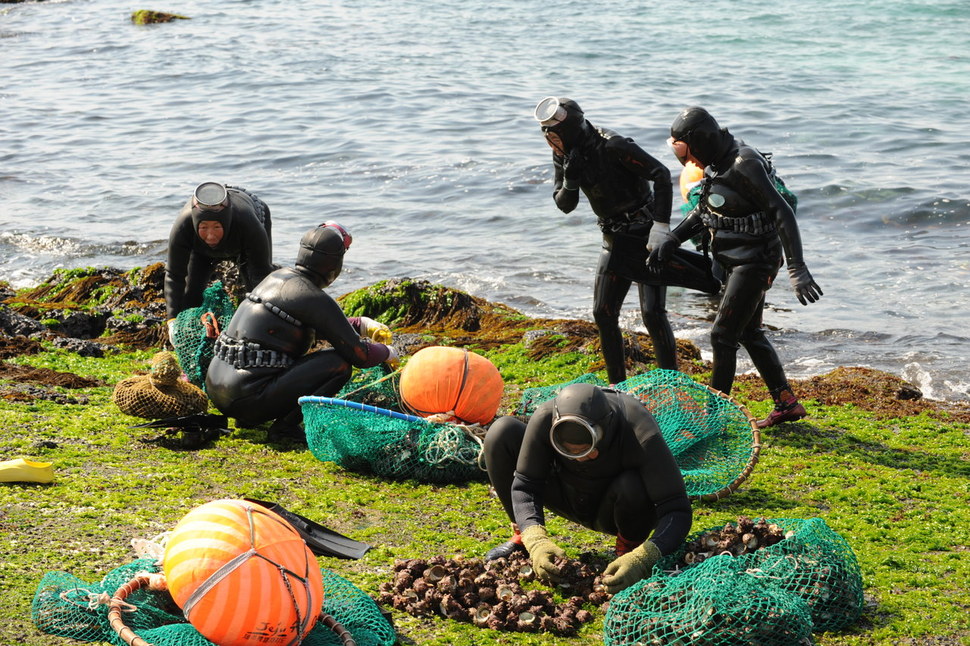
x,y
320,540
687,269
199,420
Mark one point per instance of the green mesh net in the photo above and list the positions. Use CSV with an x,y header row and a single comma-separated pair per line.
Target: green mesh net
x,y
196,330
712,437
66,606
532,397
772,595
377,386
364,429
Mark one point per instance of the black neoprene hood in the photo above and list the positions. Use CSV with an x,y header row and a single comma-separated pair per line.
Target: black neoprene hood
x,y
701,132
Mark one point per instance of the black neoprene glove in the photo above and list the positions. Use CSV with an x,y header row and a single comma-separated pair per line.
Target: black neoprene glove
x,y
802,282
572,170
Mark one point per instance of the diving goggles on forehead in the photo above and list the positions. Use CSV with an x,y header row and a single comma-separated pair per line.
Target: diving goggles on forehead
x,y
344,233
210,196
550,112
574,437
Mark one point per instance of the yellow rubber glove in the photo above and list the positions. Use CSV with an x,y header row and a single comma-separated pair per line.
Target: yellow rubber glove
x,y
631,567
543,553
393,359
375,330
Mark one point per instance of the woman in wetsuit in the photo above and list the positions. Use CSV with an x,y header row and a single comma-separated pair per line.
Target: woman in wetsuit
x,y
752,232
616,176
261,367
596,457
217,223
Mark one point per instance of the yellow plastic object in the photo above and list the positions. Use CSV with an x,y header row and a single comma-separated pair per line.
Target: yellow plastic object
x,y
23,470
382,336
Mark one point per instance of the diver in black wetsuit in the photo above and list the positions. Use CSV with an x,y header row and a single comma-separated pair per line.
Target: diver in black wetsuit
x,y
261,366
752,230
217,223
596,457
616,175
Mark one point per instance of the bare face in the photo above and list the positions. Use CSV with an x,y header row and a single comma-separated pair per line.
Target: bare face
x,y
580,449
555,142
211,232
682,152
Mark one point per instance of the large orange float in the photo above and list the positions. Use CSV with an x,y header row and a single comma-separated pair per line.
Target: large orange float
x,y
242,575
464,386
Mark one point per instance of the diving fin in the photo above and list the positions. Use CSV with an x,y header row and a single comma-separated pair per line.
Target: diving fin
x,y
199,420
320,540
687,269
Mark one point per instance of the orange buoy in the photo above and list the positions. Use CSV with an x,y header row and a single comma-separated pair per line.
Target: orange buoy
x,y
242,575
464,385
690,176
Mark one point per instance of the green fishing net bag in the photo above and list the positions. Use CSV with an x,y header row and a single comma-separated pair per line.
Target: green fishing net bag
x,y
66,606
712,604
713,438
375,436
196,330
722,589
818,565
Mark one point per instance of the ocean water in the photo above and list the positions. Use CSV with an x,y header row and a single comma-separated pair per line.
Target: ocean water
x,y
411,124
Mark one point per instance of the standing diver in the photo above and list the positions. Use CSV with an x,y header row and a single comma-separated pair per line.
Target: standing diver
x,y
217,223
595,456
260,366
616,175
751,226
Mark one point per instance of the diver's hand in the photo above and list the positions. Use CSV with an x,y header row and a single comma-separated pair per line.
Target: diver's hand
x,y
661,253
658,231
572,170
543,552
393,358
802,282
374,330
631,567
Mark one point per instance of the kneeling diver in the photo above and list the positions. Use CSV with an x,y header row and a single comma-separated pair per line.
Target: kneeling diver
x,y
261,366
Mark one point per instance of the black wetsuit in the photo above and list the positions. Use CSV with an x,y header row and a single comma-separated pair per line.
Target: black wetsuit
x,y
247,239
261,366
752,230
631,488
616,179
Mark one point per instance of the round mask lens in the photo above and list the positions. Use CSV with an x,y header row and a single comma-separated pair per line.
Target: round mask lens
x,y
549,112
573,437
210,195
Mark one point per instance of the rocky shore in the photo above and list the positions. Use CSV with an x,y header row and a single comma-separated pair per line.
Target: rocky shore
x,y
95,312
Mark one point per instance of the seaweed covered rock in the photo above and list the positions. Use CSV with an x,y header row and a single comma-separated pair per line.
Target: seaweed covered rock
x,y
148,17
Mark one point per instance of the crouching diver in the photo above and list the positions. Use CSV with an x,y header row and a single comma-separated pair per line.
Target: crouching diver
x,y
752,229
594,456
217,223
261,366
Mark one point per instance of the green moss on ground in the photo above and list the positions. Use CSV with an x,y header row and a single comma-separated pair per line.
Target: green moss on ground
x,y
895,483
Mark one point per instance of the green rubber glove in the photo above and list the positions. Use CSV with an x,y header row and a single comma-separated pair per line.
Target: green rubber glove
x,y
630,568
543,553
